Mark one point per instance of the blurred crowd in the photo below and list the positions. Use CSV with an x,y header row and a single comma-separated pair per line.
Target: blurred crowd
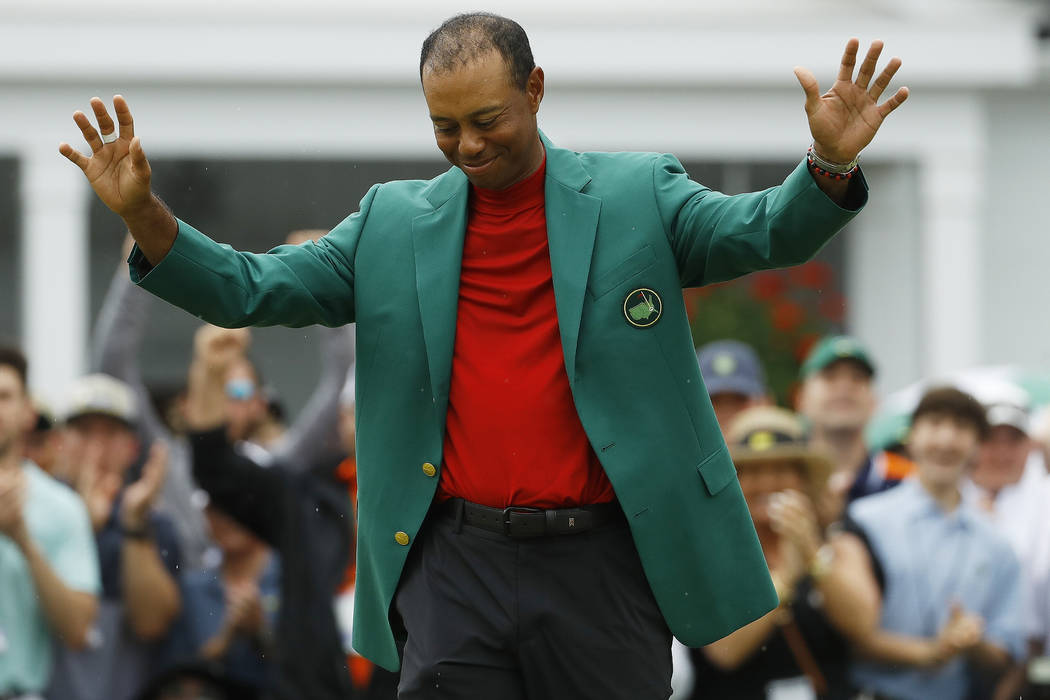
x,y
202,547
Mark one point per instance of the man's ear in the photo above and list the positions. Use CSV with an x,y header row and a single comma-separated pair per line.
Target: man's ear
x,y
534,88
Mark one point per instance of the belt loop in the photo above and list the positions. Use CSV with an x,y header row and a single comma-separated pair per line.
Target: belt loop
x,y
460,506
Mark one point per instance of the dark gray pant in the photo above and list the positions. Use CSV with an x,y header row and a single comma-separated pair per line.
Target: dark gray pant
x,y
568,616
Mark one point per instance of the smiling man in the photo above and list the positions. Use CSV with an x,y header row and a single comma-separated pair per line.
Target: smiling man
x,y
545,496
944,589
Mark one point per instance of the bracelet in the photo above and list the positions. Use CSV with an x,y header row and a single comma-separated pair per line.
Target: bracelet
x,y
825,168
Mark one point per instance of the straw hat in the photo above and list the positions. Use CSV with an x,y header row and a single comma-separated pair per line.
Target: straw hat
x,y
768,433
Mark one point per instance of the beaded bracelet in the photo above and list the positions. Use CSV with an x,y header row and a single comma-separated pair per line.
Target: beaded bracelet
x,y
835,171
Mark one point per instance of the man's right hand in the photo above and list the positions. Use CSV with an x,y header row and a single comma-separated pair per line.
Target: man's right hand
x,y
217,348
119,174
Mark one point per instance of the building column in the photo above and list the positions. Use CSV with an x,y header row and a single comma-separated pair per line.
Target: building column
x,y
54,270
953,193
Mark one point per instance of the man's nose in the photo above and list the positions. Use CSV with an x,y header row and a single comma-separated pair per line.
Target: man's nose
x,y
471,143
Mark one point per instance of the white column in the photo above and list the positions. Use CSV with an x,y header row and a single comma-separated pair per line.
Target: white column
x,y
951,179
54,269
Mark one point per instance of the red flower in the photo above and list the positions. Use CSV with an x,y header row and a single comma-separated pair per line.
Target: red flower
x,y
812,275
768,285
787,315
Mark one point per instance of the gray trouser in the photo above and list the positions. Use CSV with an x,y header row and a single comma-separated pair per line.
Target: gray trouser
x,y
548,618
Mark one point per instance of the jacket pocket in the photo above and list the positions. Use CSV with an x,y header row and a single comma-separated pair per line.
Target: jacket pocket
x,y
635,263
717,471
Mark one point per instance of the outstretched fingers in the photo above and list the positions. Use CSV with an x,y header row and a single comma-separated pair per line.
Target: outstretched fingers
x,y
87,129
127,124
105,122
884,78
77,158
808,81
894,102
849,60
867,68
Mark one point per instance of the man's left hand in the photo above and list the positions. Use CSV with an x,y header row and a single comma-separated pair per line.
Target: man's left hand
x,y
845,118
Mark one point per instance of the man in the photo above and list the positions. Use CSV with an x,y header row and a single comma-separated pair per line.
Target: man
x,y
306,517
837,397
138,549
48,572
228,609
734,379
525,367
943,588
117,342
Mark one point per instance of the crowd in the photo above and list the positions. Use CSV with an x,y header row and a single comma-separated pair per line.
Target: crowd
x,y
909,564
204,549
197,548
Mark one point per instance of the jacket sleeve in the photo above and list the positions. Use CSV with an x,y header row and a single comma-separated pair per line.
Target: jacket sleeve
x,y
253,495
291,285
718,237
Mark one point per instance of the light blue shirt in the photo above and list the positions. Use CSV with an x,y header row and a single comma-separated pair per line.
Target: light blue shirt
x,y
931,559
58,525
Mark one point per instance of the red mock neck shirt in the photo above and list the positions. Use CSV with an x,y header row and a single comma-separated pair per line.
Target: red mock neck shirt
x,y
512,433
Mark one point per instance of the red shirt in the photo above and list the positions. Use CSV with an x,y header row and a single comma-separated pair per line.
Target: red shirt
x,y
512,433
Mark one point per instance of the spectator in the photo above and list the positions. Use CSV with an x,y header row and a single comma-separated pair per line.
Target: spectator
x,y
305,516
942,589
734,378
138,549
117,340
798,645
48,571
837,398
228,610
1005,483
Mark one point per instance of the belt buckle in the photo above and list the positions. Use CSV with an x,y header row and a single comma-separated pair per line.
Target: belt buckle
x,y
510,510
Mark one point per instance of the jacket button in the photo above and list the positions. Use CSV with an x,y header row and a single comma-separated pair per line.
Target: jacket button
x,y
429,469
401,538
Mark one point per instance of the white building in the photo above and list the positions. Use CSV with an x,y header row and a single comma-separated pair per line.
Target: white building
x,y
945,268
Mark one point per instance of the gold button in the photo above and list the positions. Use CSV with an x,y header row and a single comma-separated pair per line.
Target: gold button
x,y
402,538
429,469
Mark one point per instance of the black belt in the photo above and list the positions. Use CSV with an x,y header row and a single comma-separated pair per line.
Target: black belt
x,y
521,521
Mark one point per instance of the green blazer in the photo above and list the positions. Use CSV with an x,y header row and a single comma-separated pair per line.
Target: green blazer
x,y
616,222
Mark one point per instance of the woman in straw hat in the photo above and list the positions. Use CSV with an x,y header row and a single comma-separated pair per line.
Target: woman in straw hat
x,y
801,646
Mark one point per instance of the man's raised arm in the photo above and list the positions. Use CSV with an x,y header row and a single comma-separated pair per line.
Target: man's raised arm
x,y
291,285
120,175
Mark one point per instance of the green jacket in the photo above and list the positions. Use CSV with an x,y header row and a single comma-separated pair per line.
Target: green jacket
x,y
616,222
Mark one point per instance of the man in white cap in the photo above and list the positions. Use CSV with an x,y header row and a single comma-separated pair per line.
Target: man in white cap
x,y
1005,482
138,549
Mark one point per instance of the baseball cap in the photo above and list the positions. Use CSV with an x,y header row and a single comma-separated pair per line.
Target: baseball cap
x,y
731,367
1004,403
101,395
835,348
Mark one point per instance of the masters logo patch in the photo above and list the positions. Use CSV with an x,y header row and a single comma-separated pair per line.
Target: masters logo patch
x,y
642,308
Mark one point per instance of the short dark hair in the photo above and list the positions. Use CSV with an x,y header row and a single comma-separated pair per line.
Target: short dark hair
x,y
14,358
461,39
947,400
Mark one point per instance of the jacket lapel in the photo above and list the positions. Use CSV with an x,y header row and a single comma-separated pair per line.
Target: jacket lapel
x,y
437,240
572,222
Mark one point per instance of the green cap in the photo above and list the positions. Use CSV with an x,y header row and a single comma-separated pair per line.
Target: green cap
x,y
833,349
